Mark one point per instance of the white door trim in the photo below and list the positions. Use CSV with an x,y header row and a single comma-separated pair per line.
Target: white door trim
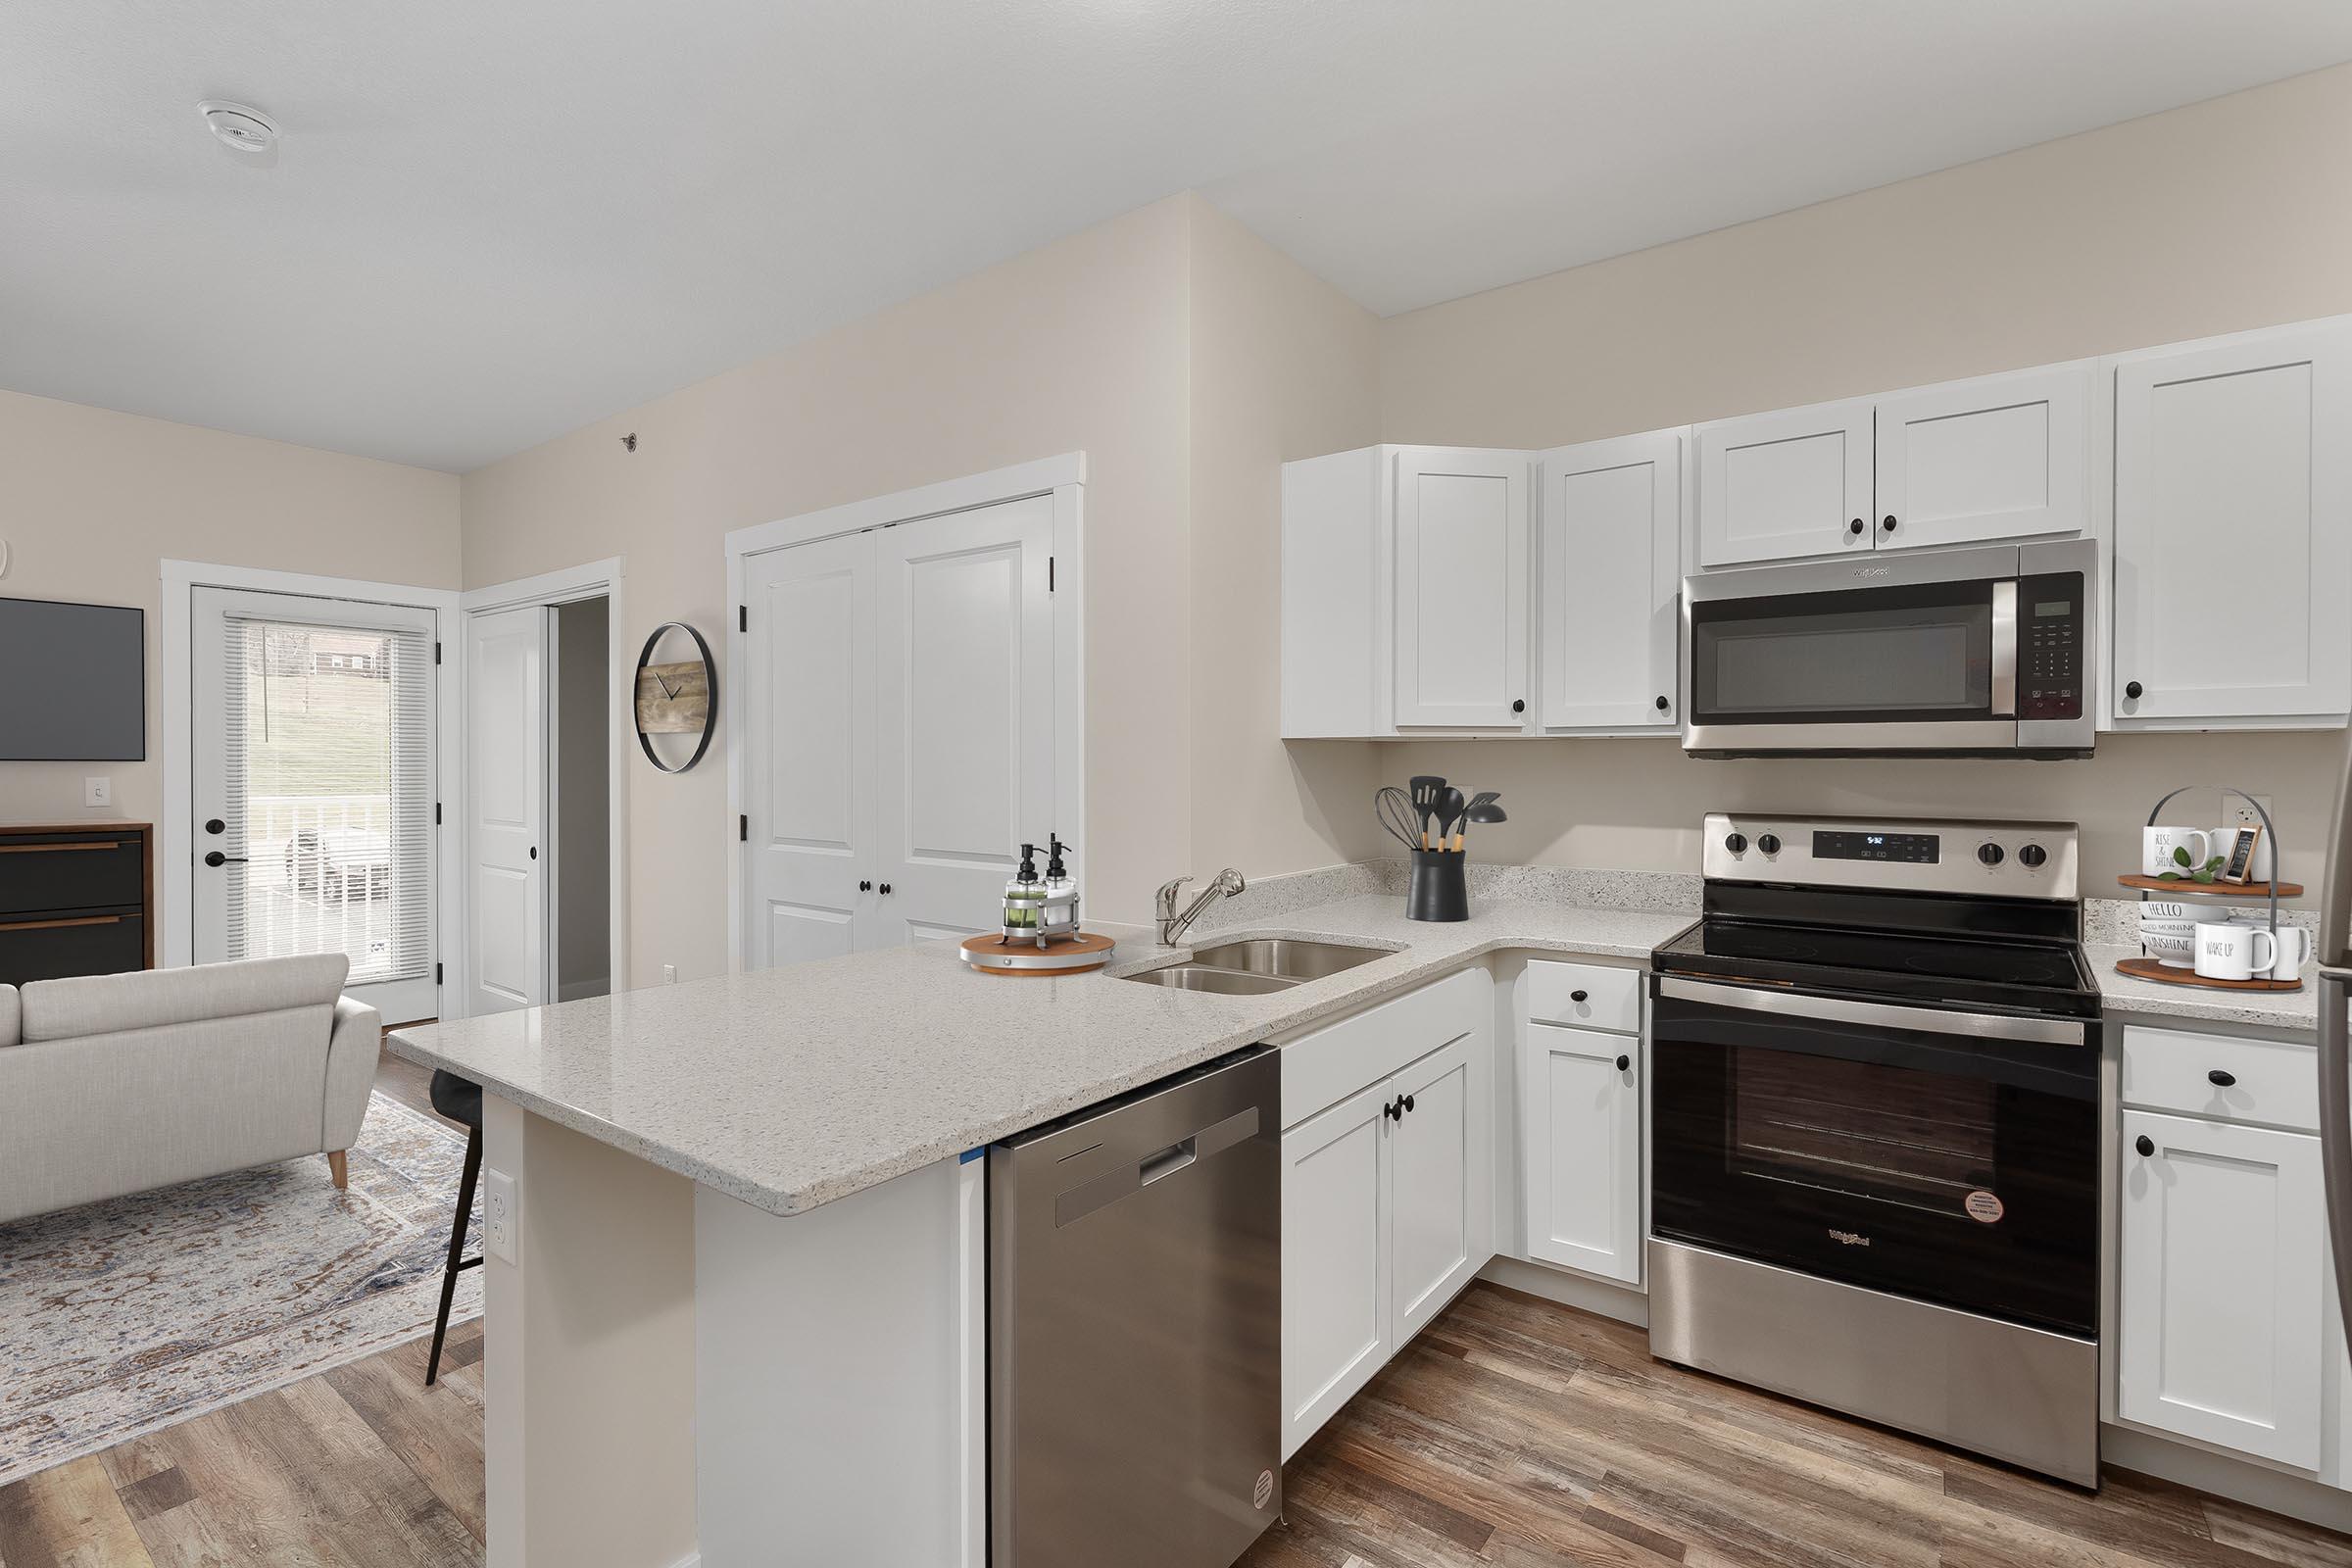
x,y
176,865
592,580
1064,478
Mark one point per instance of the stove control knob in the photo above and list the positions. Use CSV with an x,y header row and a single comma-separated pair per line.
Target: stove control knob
x,y
2031,854
1989,854
1768,843
1736,842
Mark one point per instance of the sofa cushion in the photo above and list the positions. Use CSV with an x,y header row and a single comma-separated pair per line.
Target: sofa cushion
x,y
10,1030
103,1004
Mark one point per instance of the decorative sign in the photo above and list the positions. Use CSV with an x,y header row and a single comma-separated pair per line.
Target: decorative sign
x,y
675,696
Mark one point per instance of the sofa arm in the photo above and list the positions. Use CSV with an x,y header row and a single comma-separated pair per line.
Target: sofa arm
x,y
351,1054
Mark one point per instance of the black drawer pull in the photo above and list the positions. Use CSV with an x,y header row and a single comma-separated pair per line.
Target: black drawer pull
x,y
2147,1146
1624,1063
46,848
1576,996
2219,1079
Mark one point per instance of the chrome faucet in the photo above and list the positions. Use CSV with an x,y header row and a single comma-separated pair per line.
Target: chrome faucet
x,y
1172,926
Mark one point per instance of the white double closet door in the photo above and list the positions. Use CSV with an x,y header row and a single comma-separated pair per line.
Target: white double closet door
x,y
898,702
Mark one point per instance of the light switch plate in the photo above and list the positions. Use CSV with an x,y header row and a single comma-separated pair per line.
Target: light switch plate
x,y
98,790
498,1215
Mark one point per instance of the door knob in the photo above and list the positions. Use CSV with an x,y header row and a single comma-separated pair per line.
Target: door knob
x,y
534,852
884,890
865,885
216,857
213,824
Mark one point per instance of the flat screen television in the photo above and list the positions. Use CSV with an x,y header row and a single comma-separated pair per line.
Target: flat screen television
x,y
73,682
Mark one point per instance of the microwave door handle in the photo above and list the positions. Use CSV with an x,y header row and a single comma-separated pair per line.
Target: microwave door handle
x,y
2004,649
1881,1014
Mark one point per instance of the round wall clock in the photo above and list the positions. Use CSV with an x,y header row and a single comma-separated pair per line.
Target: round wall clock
x,y
676,697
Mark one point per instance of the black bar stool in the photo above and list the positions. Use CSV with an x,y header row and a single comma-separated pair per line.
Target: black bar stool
x,y
460,1099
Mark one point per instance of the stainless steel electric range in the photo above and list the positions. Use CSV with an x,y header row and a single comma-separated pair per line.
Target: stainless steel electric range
x,y
1875,1109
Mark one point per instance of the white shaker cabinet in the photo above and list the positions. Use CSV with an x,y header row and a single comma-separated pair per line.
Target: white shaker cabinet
x,y
2223,1239
1336,1259
2000,457
2232,531
1440,1171
1579,1118
1461,574
1788,483
1609,576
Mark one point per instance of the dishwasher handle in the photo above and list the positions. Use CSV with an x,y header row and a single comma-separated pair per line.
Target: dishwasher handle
x,y
1168,1162
1076,1201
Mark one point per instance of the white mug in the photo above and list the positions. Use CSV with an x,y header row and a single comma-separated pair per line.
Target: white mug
x,y
2157,844
2227,950
2296,947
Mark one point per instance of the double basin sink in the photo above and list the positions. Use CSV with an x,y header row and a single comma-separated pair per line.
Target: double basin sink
x,y
1259,966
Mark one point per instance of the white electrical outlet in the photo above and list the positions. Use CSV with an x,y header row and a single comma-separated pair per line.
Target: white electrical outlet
x,y
669,974
498,1215
2242,814
98,790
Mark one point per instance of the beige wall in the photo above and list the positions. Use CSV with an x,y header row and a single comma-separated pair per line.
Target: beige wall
x,y
2212,218
96,500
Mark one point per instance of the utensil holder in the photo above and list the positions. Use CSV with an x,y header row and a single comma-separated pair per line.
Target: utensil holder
x,y
1438,890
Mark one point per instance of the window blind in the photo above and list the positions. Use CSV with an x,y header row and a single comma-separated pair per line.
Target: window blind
x,y
329,793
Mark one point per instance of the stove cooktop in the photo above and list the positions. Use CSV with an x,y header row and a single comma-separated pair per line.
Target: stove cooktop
x,y
2027,975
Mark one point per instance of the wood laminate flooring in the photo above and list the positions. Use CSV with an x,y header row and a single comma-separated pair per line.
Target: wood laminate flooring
x,y
1512,1432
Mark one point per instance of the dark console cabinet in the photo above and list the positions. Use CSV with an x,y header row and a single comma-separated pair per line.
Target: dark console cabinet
x,y
76,899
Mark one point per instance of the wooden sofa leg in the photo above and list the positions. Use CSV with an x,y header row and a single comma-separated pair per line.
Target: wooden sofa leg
x,y
341,1171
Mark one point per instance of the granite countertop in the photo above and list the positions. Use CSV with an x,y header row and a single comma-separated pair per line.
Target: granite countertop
x,y
789,1088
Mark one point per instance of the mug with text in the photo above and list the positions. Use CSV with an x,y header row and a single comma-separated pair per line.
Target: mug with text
x,y
2158,844
2227,950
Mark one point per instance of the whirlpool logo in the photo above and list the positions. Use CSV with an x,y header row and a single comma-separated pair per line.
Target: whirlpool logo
x,y
1873,572
1850,1238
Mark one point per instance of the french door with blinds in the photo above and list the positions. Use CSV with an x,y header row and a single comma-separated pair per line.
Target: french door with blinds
x,y
312,788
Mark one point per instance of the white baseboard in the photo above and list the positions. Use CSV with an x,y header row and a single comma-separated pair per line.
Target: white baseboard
x,y
2240,1480
1604,1297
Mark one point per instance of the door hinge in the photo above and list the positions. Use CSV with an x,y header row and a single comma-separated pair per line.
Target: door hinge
x,y
1048,575
743,828
437,652
743,617
436,974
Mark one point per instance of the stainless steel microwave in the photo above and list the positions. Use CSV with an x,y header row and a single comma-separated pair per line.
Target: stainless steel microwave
x,y
1983,651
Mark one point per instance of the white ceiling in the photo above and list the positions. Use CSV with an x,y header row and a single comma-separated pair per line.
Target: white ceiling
x,y
490,223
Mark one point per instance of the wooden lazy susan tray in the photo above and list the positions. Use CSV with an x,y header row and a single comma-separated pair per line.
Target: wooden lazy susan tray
x,y
2234,892
994,954
2166,975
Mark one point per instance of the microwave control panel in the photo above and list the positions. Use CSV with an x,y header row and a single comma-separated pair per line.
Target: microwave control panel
x,y
2049,653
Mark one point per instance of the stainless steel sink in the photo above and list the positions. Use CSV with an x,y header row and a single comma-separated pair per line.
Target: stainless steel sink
x,y
1257,966
1225,982
1284,956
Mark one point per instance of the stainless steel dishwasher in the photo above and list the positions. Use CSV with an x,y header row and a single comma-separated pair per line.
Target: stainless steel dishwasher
x,y
1135,1326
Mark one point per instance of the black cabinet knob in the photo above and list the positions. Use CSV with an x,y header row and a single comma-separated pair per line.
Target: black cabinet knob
x,y
1519,705
2033,853
1887,522
534,852
1663,704
1855,527
213,824
1991,854
884,890
1393,1110
2147,1146
1768,843
1736,842
865,885
1624,1063
1408,1101
2131,688
2219,1079
1576,996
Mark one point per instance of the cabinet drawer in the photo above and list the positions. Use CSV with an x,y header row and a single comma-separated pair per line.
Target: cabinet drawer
x,y
1589,996
52,872
2274,1081
49,950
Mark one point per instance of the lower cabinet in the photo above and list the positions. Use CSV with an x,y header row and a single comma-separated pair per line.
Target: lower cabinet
x,y
2222,1305
1579,1118
1386,1213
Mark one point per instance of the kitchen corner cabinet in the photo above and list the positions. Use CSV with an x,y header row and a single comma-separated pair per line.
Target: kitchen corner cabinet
x,y
2232,530
1386,1193
2222,1238
1579,1118
1610,575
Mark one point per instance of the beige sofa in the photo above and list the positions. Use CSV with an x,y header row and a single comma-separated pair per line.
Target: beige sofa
x,y
114,1084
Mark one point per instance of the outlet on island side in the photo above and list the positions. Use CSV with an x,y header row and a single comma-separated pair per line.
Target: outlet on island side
x,y
669,974
498,1215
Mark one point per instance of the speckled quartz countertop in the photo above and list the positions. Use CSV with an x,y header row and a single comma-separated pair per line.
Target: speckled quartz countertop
x,y
2124,997
789,1088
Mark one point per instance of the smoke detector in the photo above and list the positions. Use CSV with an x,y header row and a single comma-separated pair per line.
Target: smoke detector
x,y
239,126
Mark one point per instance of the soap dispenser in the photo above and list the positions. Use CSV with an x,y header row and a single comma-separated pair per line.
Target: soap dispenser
x,y
1024,896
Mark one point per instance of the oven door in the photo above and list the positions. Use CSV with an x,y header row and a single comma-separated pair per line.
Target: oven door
x,y
1951,1157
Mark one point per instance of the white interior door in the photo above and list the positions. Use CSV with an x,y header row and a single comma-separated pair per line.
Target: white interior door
x,y
312,774
808,748
963,714
506,809
1612,571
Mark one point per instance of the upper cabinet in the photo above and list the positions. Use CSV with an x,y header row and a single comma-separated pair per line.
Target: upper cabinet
x,y
1461,574
1999,457
1609,570
1793,483
2233,530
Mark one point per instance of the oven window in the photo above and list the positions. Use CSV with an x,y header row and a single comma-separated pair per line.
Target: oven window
x,y
1859,1130
1922,652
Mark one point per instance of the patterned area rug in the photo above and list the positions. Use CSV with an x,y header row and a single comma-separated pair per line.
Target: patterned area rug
x,y
120,1317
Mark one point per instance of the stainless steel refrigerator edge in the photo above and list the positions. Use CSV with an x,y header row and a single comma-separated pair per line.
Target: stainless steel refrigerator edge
x,y
1135,1326
2335,1075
